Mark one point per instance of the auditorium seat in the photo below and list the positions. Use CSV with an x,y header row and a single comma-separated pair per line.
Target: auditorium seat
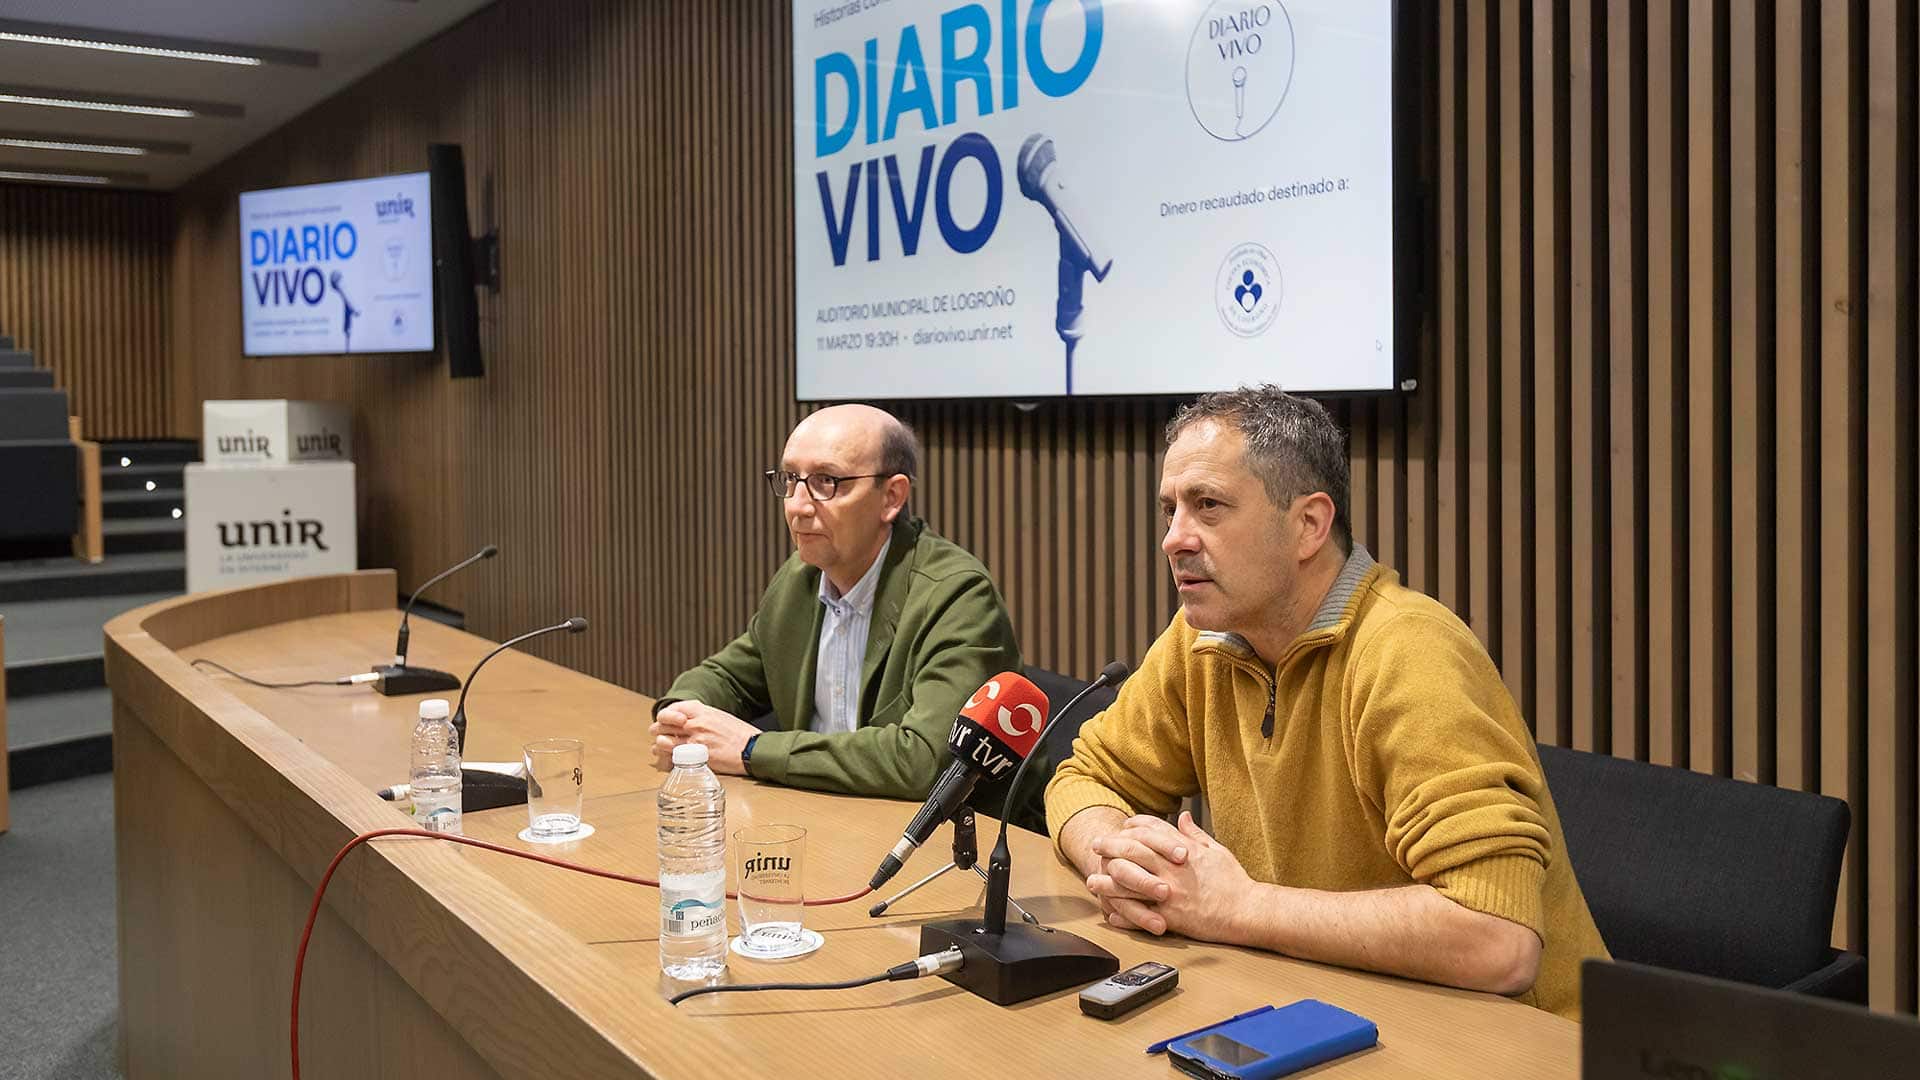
x,y
39,466
19,378
1707,875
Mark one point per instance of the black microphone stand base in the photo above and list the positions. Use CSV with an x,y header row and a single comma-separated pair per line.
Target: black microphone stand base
x,y
1019,963
400,680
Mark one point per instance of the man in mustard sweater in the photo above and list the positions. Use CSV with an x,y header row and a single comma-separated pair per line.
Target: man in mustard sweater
x,y
1377,799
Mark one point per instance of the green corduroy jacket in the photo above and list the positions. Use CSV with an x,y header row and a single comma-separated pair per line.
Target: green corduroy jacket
x,y
939,630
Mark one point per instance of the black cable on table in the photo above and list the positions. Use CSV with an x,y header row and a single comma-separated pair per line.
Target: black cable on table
x,y
342,681
734,988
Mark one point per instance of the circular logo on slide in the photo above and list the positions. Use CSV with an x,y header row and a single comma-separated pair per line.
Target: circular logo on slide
x,y
1246,292
1239,67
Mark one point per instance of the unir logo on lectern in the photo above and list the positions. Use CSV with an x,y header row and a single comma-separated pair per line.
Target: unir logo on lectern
x,y
270,533
308,443
245,444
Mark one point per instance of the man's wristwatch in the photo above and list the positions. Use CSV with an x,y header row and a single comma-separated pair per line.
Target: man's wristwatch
x,y
746,755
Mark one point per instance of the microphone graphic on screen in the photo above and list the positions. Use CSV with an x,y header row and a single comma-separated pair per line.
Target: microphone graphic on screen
x,y
398,678
1239,98
995,730
350,310
1042,180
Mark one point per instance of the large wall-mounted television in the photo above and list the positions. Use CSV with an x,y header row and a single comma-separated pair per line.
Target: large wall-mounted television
x,y
338,268
1043,198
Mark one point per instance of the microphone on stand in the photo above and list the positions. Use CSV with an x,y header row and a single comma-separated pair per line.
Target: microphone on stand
x,y
994,732
399,679
1009,963
574,625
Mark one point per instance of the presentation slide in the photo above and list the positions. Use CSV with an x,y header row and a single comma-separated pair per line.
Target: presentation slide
x,y
1013,198
337,268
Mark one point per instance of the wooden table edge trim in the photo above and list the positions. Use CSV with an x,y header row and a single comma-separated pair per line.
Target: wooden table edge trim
x,y
239,753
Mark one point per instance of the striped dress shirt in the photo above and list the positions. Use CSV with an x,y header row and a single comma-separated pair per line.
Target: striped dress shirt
x,y
842,648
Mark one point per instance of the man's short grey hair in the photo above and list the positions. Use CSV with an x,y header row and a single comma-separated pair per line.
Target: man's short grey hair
x,y
1293,446
900,449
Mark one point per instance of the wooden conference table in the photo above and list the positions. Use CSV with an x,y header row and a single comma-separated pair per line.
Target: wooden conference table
x,y
437,959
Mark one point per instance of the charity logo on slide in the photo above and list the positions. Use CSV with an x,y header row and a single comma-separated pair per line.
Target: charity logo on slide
x,y
1239,67
1247,290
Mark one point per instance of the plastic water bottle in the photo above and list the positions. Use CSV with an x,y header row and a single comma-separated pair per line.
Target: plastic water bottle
x,y
435,776
693,869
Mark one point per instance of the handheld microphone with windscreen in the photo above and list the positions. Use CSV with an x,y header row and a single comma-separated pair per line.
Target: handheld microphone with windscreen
x,y
1007,963
996,729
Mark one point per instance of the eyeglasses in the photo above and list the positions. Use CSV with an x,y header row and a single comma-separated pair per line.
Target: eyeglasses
x,y
820,485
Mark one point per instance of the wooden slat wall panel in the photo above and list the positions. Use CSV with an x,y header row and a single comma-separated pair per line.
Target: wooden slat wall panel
x,y
84,286
1662,456
1841,677
1890,546
1666,338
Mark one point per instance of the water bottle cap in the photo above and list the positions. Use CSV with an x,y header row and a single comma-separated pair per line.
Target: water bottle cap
x,y
689,754
434,709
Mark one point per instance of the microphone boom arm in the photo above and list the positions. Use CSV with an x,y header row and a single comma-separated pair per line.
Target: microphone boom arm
x,y
398,678
573,626
1000,863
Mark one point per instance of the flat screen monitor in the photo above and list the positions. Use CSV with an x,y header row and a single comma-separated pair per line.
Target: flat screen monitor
x,y
338,268
1042,198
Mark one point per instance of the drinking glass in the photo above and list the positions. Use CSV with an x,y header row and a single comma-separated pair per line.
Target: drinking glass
x,y
772,896
555,786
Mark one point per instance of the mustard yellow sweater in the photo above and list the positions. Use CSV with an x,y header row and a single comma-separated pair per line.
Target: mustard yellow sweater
x,y
1385,751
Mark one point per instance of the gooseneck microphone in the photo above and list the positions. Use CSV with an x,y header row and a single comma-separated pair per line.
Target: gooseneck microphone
x,y
572,626
1000,863
1010,963
994,732
397,678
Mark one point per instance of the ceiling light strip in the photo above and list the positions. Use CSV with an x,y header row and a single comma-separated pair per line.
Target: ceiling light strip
x,y
137,50
81,148
97,106
57,178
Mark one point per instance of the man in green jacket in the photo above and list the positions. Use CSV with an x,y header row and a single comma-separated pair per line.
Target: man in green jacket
x,y
868,640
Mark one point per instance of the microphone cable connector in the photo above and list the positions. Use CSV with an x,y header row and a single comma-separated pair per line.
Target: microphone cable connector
x,y
940,963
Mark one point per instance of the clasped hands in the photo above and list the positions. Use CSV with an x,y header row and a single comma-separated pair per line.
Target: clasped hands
x,y
1162,877
722,733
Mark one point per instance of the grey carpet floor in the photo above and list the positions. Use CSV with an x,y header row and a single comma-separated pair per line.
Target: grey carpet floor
x,y
58,974
43,629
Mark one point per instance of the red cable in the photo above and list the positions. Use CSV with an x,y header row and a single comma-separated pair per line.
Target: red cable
x,y
306,932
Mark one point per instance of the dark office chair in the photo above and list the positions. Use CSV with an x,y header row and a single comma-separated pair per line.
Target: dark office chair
x,y
1707,875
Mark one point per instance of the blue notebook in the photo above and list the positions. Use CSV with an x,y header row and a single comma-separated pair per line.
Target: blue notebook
x,y
1271,1044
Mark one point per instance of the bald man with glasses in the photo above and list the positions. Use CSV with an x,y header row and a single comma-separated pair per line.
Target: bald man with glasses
x,y
866,643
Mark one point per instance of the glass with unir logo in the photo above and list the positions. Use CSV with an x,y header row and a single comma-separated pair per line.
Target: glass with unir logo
x,y
771,860
555,785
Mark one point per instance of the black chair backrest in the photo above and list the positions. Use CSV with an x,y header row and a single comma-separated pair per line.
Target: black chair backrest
x,y
32,413
1060,690
1700,873
1030,811
22,377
